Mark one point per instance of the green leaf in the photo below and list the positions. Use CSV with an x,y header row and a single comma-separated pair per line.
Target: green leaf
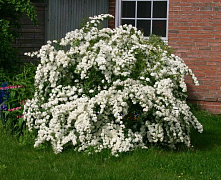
x,y
20,122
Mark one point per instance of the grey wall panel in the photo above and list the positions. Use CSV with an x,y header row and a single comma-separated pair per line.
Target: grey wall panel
x,y
63,16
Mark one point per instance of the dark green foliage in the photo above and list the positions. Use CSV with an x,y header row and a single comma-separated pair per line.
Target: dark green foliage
x,y
10,13
17,97
157,41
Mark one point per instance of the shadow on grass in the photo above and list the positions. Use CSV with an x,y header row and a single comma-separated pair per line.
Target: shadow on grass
x,y
211,136
206,140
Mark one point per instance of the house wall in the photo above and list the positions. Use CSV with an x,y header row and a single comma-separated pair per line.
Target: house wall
x,y
63,16
55,19
112,4
194,33
32,37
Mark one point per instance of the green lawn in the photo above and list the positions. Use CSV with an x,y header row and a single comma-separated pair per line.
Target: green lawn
x,y
201,162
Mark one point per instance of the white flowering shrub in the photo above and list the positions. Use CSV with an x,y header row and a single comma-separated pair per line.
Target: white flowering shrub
x,y
111,89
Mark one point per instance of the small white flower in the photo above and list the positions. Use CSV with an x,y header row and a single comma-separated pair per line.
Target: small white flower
x,y
91,91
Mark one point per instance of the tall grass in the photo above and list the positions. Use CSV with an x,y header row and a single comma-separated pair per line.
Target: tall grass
x,y
203,161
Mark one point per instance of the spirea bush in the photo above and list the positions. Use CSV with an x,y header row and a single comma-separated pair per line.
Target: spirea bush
x,y
112,89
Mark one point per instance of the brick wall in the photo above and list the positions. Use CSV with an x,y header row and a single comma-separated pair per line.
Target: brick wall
x,y
195,34
111,23
32,37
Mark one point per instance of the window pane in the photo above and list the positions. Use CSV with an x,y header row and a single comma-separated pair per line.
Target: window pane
x,y
132,22
159,9
128,9
159,28
144,26
143,9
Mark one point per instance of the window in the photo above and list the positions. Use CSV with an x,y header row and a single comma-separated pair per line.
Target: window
x,y
150,16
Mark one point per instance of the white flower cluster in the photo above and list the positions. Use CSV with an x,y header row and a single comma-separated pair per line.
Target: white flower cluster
x,y
110,89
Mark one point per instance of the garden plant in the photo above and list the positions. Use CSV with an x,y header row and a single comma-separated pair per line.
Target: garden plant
x,y
14,91
16,81
101,88
10,13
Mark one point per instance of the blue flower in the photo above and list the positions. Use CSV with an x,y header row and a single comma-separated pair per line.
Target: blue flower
x,y
3,107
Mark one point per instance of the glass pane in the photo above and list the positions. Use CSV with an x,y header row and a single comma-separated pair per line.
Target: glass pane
x,y
128,9
159,28
144,26
159,9
132,22
143,9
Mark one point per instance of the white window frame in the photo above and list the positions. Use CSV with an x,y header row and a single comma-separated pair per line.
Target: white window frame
x,y
118,15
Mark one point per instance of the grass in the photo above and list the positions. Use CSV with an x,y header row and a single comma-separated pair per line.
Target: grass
x,y
19,161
